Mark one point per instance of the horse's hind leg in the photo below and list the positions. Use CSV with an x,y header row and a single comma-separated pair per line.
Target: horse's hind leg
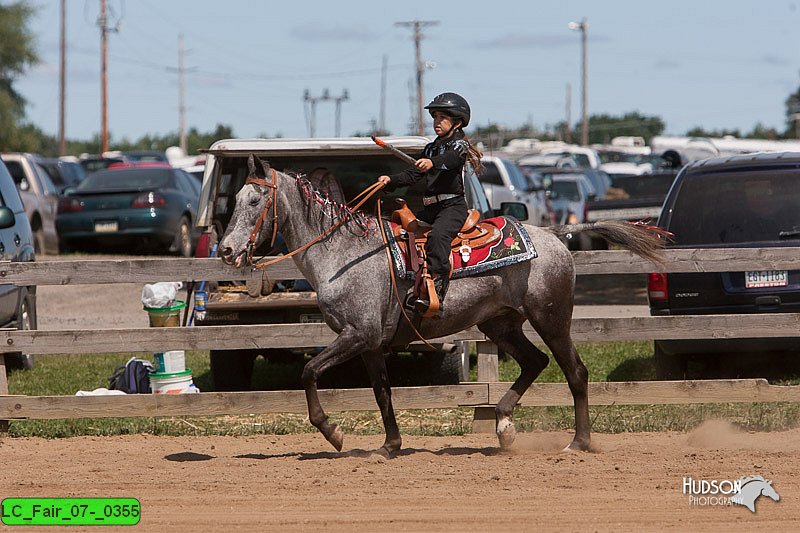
x,y
506,332
554,328
379,378
347,345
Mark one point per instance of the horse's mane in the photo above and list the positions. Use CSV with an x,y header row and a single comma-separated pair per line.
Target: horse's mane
x,y
357,222
745,480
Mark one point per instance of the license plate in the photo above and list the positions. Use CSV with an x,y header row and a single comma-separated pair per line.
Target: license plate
x,y
311,319
766,278
106,227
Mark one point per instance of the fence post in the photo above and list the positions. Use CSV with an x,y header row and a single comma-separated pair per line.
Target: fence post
x,y
483,420
3,389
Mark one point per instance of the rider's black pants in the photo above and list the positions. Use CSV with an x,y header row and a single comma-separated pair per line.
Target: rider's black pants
x,y
447,217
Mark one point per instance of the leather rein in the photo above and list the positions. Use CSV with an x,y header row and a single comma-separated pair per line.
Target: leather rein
x,y
271,201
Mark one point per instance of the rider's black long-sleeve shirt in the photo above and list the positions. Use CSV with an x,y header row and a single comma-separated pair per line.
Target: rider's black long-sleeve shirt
x,y
448,159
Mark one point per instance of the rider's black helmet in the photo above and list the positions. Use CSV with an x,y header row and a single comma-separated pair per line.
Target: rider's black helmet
x,y
451,104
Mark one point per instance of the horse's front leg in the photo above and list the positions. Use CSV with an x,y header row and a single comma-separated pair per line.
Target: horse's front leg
x,y
347,345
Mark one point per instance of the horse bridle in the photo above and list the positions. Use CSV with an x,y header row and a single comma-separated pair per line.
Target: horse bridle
x,y
270,202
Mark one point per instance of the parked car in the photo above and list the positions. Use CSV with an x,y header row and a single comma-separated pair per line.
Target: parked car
x,y
356,163
17,304
538,161
152,207
63,173
503,181
748,201
39,196
145,156
571,195
98,162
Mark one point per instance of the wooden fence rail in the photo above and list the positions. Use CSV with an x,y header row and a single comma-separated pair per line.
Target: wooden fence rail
x,y
306,335
309,335
97,271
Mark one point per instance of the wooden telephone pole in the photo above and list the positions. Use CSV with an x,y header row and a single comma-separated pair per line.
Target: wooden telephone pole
x,y
418,25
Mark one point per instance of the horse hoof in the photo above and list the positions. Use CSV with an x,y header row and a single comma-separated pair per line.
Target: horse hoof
x,y
506,433
336,438
576,446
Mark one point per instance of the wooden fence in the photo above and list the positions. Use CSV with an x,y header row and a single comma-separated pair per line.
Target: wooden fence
x,y
482,394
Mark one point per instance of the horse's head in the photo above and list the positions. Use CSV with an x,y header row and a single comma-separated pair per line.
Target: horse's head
x,y
254,218
768,490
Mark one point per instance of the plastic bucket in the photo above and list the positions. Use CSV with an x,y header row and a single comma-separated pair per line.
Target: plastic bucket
x,y
170,362
171,383
163,317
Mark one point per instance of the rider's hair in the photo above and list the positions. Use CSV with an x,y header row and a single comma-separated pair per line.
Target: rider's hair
x,y
474,155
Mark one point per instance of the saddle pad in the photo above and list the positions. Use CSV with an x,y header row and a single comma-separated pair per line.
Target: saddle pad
x,y
514,246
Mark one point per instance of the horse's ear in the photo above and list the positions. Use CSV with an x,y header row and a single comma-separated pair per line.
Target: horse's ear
x,y
251,166
265,166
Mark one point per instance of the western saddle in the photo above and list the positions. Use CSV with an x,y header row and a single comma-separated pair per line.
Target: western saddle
x,y
412,235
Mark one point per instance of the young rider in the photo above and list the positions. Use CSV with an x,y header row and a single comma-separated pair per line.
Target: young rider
x,y
441,164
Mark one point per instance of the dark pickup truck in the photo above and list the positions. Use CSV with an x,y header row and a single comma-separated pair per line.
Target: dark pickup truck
x,y
633,197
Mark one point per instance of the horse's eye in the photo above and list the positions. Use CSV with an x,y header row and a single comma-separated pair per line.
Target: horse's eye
x,y
254,200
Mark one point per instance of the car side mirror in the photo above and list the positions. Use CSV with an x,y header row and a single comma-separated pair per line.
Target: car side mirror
x,y
517,210
7,218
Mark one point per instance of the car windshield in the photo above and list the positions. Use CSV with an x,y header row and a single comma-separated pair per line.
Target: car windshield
x,y
566,189
517,178
737,207
127,179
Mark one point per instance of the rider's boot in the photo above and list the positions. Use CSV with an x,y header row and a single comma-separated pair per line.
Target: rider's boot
x,y
440,284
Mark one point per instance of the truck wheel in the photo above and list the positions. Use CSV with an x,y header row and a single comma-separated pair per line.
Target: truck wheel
x,y
669,367
445,367
38,241
182,245
232,370
26,320
278,356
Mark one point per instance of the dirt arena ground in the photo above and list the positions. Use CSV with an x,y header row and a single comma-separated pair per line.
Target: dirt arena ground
x,y
631,482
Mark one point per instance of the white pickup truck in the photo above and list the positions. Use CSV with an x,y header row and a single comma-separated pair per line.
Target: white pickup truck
x,y
356,162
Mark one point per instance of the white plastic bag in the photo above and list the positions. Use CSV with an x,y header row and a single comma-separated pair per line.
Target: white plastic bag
x,y
161,294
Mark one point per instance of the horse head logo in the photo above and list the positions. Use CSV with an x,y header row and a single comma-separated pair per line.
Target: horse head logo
x,y
752,488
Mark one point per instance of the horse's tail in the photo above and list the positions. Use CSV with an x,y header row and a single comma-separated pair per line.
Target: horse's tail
x,y
642,239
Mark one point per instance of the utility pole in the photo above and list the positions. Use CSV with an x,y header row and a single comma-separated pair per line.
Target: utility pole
x,y
326,97
418,25
567,122
382,115
181,99
583,27
62,82
339,99
102,21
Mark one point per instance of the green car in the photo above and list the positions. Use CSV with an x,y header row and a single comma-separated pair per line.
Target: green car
x,y
143,207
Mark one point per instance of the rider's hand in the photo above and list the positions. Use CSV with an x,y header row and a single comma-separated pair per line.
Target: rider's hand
x,y
424,164
385,180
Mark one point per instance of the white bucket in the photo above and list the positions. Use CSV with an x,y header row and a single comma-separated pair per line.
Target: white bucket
x,y
171,383
170,362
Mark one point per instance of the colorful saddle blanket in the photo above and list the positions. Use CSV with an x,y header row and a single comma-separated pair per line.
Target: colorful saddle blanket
x,y
514,246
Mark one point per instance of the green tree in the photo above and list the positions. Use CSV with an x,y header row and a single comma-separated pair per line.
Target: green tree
x,y
17,53
603,128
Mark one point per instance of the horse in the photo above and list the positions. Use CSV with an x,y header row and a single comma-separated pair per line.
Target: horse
x,y
752,487
349,270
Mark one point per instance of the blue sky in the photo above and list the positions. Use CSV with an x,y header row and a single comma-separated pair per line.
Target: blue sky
x,y
713,63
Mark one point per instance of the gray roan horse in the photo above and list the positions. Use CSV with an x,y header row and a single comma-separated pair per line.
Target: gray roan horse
x,y
350,272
